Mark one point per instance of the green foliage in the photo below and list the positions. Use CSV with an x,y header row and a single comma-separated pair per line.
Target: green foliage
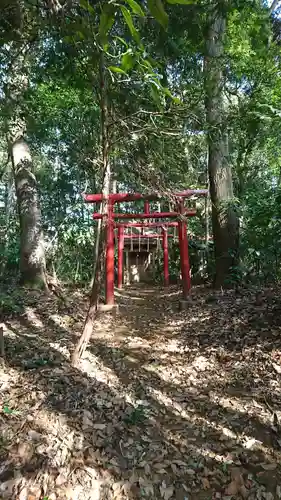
x,y
37,363
72,257
128,61
85,4
261,234
129,21
106,20
153,55
7,410
10,304
136,8
137,416
157,10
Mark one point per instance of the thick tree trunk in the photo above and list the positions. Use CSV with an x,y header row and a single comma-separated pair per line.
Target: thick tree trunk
x,y
224,217
32,255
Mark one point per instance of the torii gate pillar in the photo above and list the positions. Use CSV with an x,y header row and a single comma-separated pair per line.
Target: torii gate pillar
x,y
184,259
165,256
109,292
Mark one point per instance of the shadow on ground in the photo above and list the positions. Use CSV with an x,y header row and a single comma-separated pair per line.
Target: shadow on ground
x,y
166,404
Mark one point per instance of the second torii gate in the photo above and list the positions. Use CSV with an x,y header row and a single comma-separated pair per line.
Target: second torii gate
x,y
164,236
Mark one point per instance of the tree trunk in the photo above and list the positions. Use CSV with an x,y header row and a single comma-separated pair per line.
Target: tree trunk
x,y
32,254
5,220
100,249
224,217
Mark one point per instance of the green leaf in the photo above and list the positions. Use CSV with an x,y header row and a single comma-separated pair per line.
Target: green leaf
x,y
87,6
155,96
106,20
122,41
136,8
68,39
157,10
182,2
7,410
128,61
177,100
116,69
167,92
129,21
37,363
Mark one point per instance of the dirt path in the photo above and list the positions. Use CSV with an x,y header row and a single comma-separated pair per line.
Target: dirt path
x,y
166,404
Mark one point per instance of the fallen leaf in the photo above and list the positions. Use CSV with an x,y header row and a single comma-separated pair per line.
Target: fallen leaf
x,y
232,489
147,469
267,495
251,443
244,492
61,479
201,363
271,466
166,492
23,495
205,483
180,462
174,469
159,466
72,493
34,493
25,451
34,436
277,368
236,474
146,486
237,484
99,427
87,420
191,472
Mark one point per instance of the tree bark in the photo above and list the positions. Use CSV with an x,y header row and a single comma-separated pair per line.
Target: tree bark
x,y
224,216
4,230
32,254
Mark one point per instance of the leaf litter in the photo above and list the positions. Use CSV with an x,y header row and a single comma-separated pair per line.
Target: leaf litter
x,y
165,404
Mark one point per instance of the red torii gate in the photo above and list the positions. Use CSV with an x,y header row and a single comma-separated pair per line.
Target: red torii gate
x,y
111,216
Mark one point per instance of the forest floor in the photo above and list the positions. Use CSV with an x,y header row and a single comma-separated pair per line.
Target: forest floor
x,y
164,405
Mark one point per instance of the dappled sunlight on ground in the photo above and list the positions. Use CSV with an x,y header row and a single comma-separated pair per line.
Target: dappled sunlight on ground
x,y
165,404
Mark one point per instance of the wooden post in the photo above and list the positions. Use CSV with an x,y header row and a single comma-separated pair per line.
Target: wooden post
x,y
120,256
127,267
153,264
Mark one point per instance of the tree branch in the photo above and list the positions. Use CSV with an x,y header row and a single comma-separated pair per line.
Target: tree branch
x,y
275,5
